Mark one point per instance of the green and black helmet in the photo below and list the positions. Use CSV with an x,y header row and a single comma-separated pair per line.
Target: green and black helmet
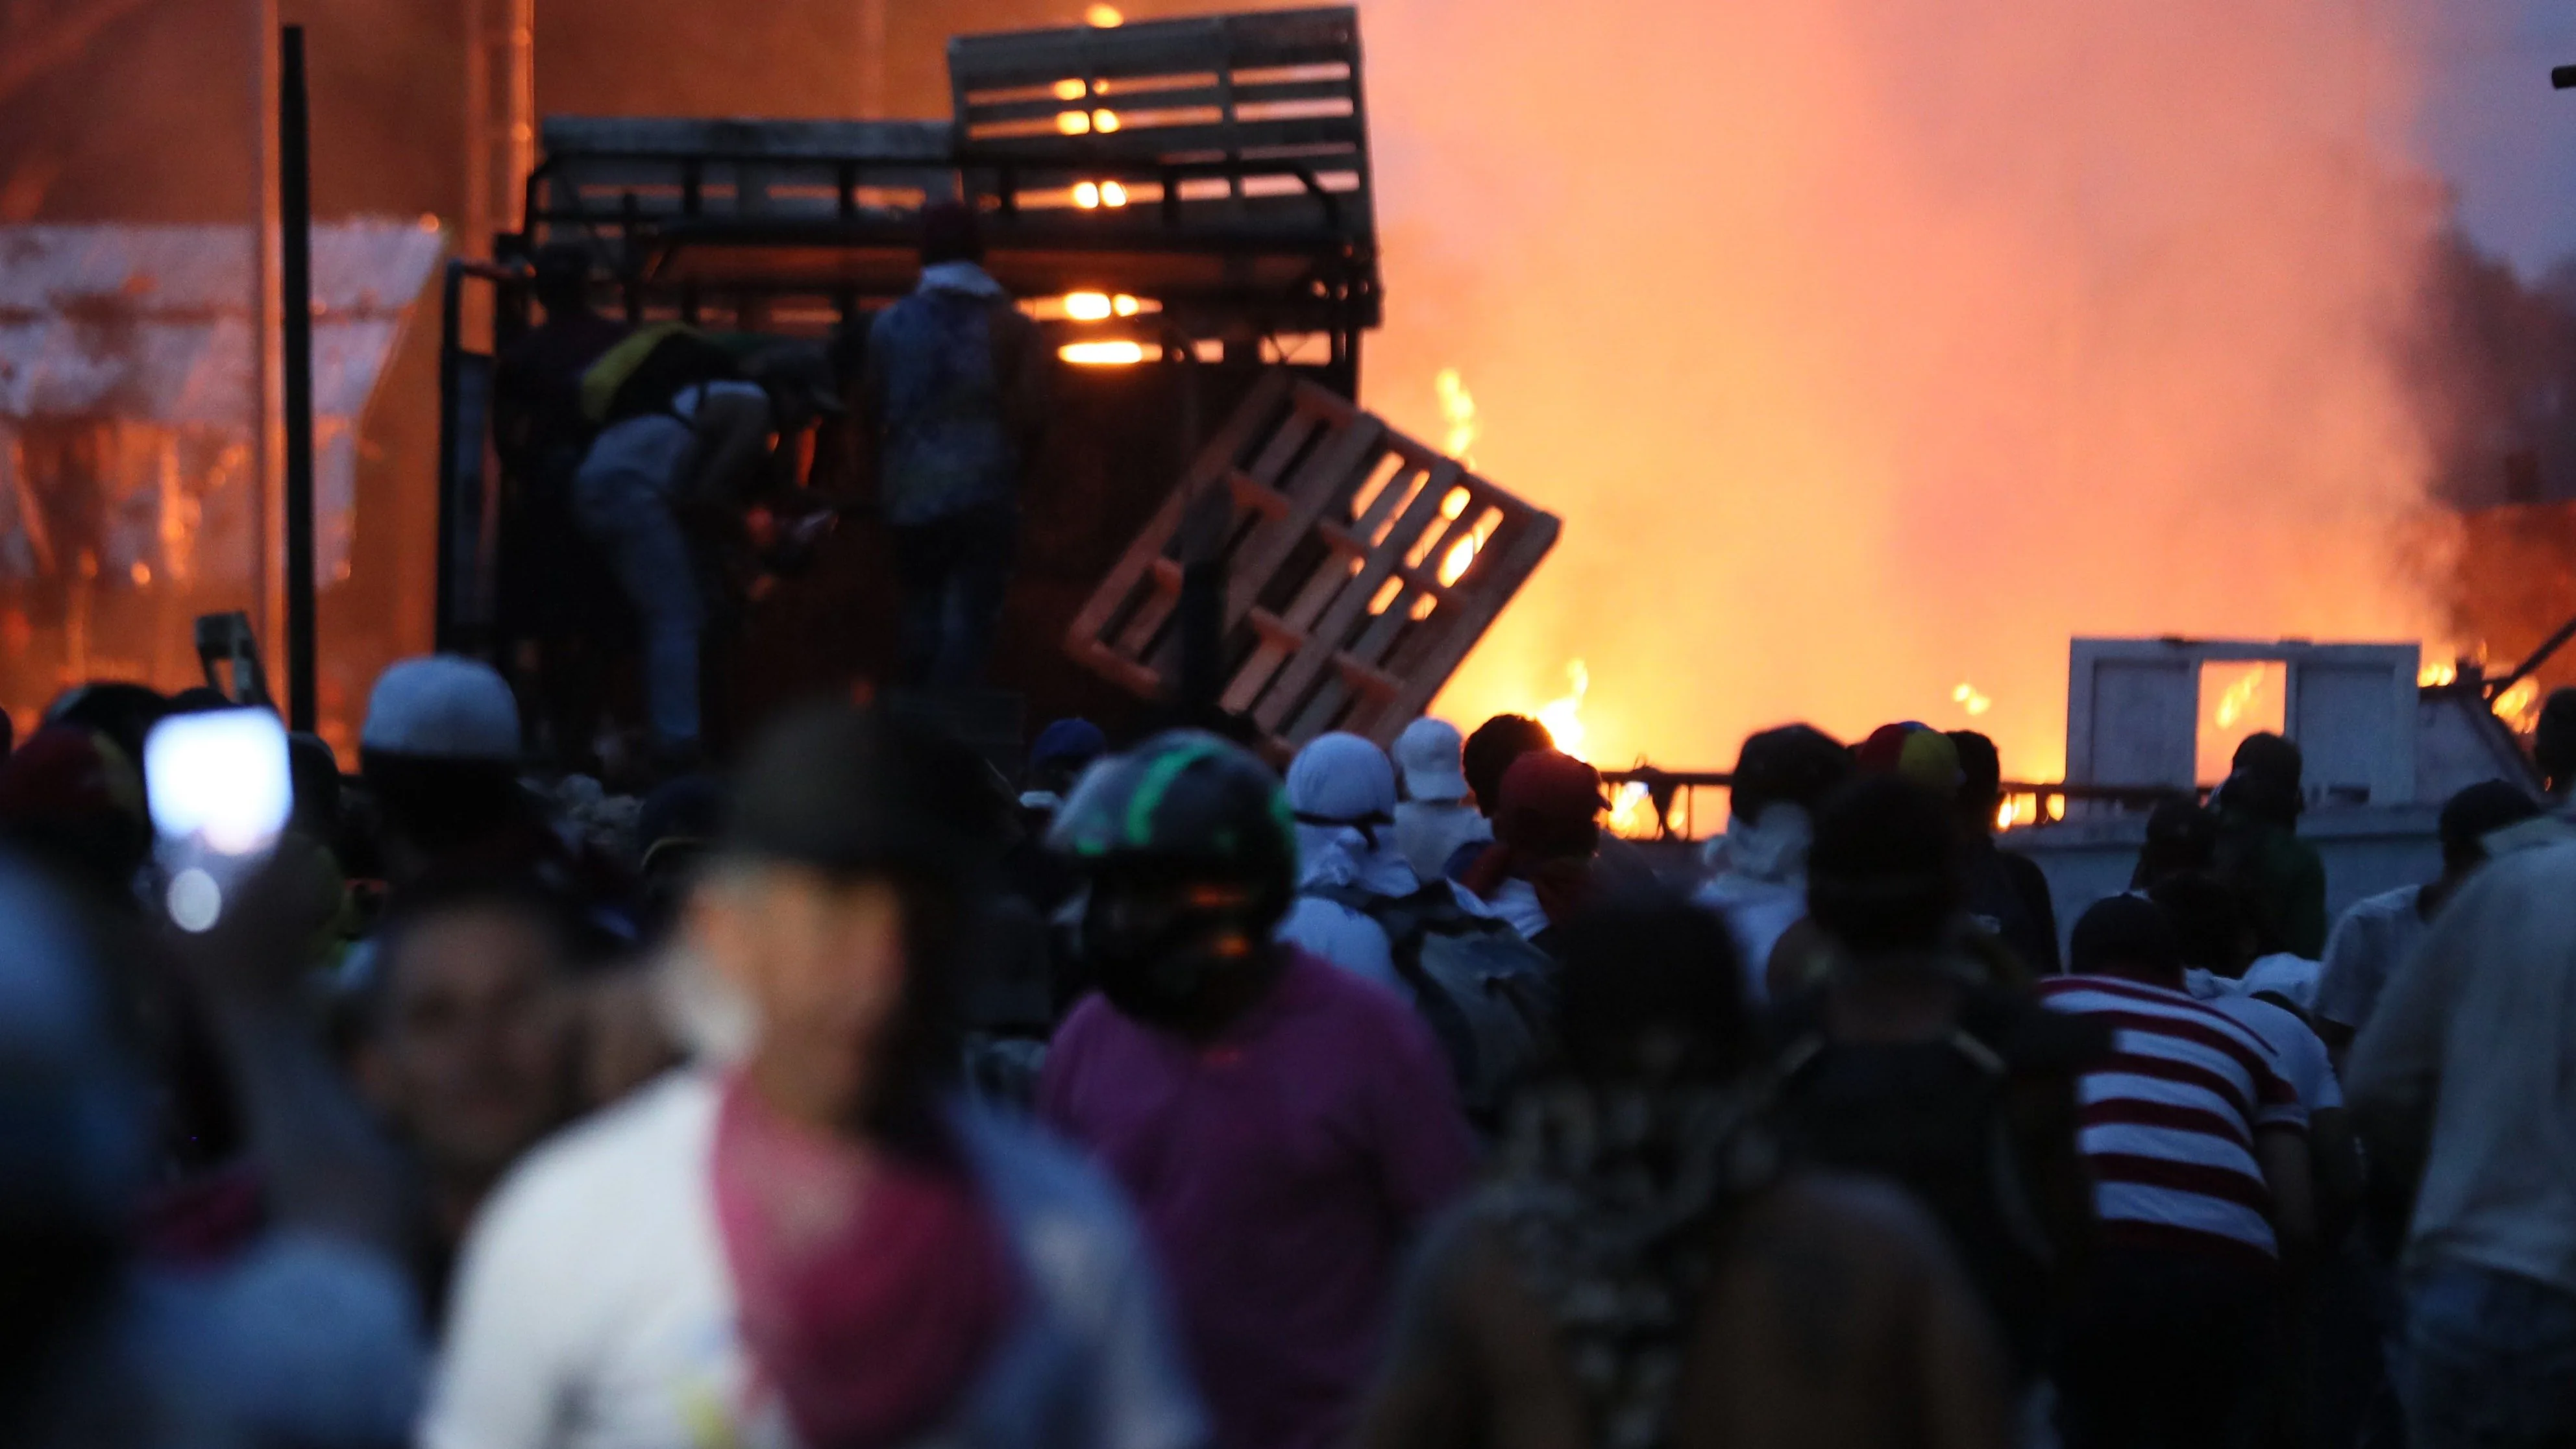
x,y
1187,802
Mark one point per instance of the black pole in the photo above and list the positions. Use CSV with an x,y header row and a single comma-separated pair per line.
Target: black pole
x,y
295,273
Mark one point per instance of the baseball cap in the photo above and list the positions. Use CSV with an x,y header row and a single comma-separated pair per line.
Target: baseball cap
x,y
1913,752
1073,743
1339,778
1430,756
442,707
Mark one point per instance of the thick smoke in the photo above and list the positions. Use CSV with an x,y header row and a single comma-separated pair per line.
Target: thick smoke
x,y
1871,347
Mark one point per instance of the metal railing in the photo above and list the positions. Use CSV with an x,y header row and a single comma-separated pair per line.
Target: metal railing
x,y
1672,798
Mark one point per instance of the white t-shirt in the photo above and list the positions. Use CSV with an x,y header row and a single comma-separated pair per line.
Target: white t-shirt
x,y
2297,1054
594,1307
2292,978
2369,943
1516,902
2469,1059
1758,913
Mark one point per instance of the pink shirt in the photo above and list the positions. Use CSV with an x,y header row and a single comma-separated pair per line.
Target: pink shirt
x,y
1280,1172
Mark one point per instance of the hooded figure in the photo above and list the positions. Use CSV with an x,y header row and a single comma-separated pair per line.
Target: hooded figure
x,y
955,398
1758,868
2259,850
1342,790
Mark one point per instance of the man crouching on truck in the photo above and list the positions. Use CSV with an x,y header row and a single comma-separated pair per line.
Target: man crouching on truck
x,y
667,491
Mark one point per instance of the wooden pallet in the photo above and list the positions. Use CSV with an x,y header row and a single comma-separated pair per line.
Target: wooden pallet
x,y
1248,122
1353,590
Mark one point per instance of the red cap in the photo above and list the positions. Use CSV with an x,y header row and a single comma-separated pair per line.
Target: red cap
x,y
65,773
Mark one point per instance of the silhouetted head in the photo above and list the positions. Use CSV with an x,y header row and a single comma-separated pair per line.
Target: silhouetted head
x,y
2266,778
2475,813
2127,936
950,232
1793,765
1884,877
1981,777
561,278
1652,991
1492,748
2181,836
2213,924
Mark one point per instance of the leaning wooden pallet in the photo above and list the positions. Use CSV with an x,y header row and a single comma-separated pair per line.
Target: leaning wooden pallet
x,y
1362,565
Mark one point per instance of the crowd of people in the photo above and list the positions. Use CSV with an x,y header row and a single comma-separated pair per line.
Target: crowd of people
x,y
1140,1094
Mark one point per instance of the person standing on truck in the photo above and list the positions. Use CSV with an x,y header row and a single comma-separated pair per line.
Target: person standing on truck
x,y
669,489
555,582
537,423
955,389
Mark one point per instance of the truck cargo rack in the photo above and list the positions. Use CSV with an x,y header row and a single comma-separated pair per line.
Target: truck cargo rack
x,y
1220,175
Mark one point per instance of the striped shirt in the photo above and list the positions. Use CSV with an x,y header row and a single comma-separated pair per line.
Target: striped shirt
x,y
2168,1119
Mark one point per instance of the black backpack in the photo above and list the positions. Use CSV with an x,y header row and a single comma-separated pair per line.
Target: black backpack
x,y
1488,995
1930,1116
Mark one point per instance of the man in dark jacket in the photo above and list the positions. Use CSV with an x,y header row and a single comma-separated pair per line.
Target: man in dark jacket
x,y
2260,850
955,389
2006,891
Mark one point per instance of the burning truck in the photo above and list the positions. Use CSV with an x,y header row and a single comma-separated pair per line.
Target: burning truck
x,y
1186,209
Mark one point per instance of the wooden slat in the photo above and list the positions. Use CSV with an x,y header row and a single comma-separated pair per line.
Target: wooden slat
x,y
1348,603
1355,447
1283,446
1132,106
1476,614
1259,40
1230,442
1167,143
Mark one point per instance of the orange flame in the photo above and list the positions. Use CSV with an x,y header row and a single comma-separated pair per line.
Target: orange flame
x,y
1632,811
2520,706
1458,413
2238,701
1563,715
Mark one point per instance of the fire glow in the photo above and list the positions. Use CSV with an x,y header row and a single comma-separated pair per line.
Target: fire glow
x,y
1976,337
